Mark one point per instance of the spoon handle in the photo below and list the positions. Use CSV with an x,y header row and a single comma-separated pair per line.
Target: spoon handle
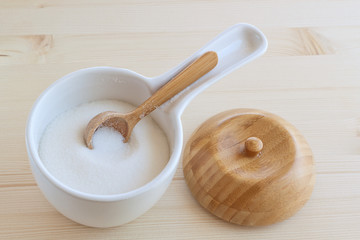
x,y
186,77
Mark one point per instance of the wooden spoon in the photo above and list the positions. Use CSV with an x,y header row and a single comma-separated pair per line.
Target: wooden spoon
x,y
124,123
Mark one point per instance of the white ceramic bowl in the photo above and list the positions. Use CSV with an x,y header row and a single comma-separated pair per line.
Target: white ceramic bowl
x,y
235,47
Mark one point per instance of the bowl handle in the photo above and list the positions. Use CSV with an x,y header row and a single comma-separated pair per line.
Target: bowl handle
x,y
235,47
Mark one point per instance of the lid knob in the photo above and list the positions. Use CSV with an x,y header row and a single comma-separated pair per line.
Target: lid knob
x,y
253,145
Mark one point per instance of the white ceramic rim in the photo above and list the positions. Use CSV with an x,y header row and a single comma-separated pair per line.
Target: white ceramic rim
x,y
172,163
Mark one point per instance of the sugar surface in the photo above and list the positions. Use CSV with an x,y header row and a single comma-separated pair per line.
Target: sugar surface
x,y
112,167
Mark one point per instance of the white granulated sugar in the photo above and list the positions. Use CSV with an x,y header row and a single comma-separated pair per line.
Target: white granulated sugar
x,y
112,167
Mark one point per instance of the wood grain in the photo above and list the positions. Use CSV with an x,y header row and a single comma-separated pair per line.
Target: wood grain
x,y
249,167
317,91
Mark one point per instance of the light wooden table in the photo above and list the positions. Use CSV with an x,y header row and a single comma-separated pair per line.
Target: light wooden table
x,y
310,76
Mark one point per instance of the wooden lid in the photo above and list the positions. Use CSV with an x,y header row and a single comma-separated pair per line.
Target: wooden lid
x,y
249,167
